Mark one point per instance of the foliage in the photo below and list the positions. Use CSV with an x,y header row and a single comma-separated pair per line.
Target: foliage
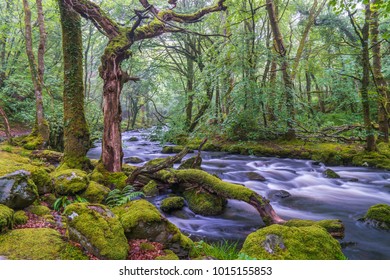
x,y
118,197
63,201
221,250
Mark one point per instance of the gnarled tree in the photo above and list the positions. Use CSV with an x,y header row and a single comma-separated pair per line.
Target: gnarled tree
x,y
118,49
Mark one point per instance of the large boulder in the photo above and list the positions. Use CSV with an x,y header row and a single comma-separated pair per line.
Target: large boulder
x,y
378,216
95,192
97,229
279,242
6,218
141,220
204,203
335,227
17,190
37,244
69,181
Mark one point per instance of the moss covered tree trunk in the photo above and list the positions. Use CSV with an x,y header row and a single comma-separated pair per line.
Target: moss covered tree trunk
x,y
41,128
76,133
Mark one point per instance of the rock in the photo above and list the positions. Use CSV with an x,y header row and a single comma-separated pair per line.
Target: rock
x,y
170,204
173,149
141,220
150,189
333,227
6,218
133,139
133,160
17,190
191,163
69,181
97,229
95,192
38,210
254,176
277,242
378,216
37,244
204,203
275,194
329,173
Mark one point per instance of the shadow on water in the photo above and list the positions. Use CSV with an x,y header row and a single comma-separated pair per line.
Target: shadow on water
x,y
296,188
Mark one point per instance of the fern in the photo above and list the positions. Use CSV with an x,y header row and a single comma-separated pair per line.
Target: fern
x,y
64,201
119,197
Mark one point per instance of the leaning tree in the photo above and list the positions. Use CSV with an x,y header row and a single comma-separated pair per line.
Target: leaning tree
x,y
148,23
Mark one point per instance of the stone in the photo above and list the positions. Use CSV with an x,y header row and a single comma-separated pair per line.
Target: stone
x,y
69,181
277,194
329,173
17,190
378,216
97,229
254,176
171,204
134,160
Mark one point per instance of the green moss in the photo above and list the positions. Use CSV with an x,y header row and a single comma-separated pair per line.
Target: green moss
x,y
329,173
95,192
151,189
292,243
380,215
169,255
113,180
204,203
170,204
42,180
20,217
6,218
69,181
172,149
37,244
334,227
97,229
32,142
39,210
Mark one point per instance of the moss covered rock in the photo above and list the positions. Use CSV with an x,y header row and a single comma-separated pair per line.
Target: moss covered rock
x,y
20,217
334,227
141,220
112,180
17,190
150,189
170,204
97,229
204,203
6,218
39,210
279,242
95,192
378,216
173,149
191,163
329,173
69,181
37,244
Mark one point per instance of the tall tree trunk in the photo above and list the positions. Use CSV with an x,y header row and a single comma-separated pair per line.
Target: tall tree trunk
x,y
380,82
370,137
190,82
7,127
41,128
76,133
285,67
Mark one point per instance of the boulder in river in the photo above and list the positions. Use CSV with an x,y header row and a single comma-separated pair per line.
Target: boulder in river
x,y
97,229
204,203
254,176
378,216
277,242
170,204
134,160
17,190
329,173
277,194
334,227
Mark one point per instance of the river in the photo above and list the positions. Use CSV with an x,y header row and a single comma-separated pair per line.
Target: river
x,y
312,195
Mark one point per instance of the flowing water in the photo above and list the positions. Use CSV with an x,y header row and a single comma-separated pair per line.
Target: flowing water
x,y
312,195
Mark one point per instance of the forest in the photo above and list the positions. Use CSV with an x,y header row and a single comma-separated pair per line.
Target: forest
x,y
183,129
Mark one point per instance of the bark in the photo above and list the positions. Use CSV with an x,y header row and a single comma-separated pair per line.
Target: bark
x,y
190,81
285,67
76,133
37,69
7,127
380,82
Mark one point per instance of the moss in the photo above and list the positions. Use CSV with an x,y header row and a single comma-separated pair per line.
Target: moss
x,y
38,210
42,180
379,215
113,180
69,181
6,218
37,244
172,149
150,189
334,227
95,192
170,204
97,229
168,255
204,203
292,243
32,142
20,217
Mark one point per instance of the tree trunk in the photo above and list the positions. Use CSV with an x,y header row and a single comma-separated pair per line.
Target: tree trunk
x,y
41,128
7,127
76,133
380,82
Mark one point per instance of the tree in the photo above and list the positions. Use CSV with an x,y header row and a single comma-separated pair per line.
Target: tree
x,y
37,69
76,133
120,40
